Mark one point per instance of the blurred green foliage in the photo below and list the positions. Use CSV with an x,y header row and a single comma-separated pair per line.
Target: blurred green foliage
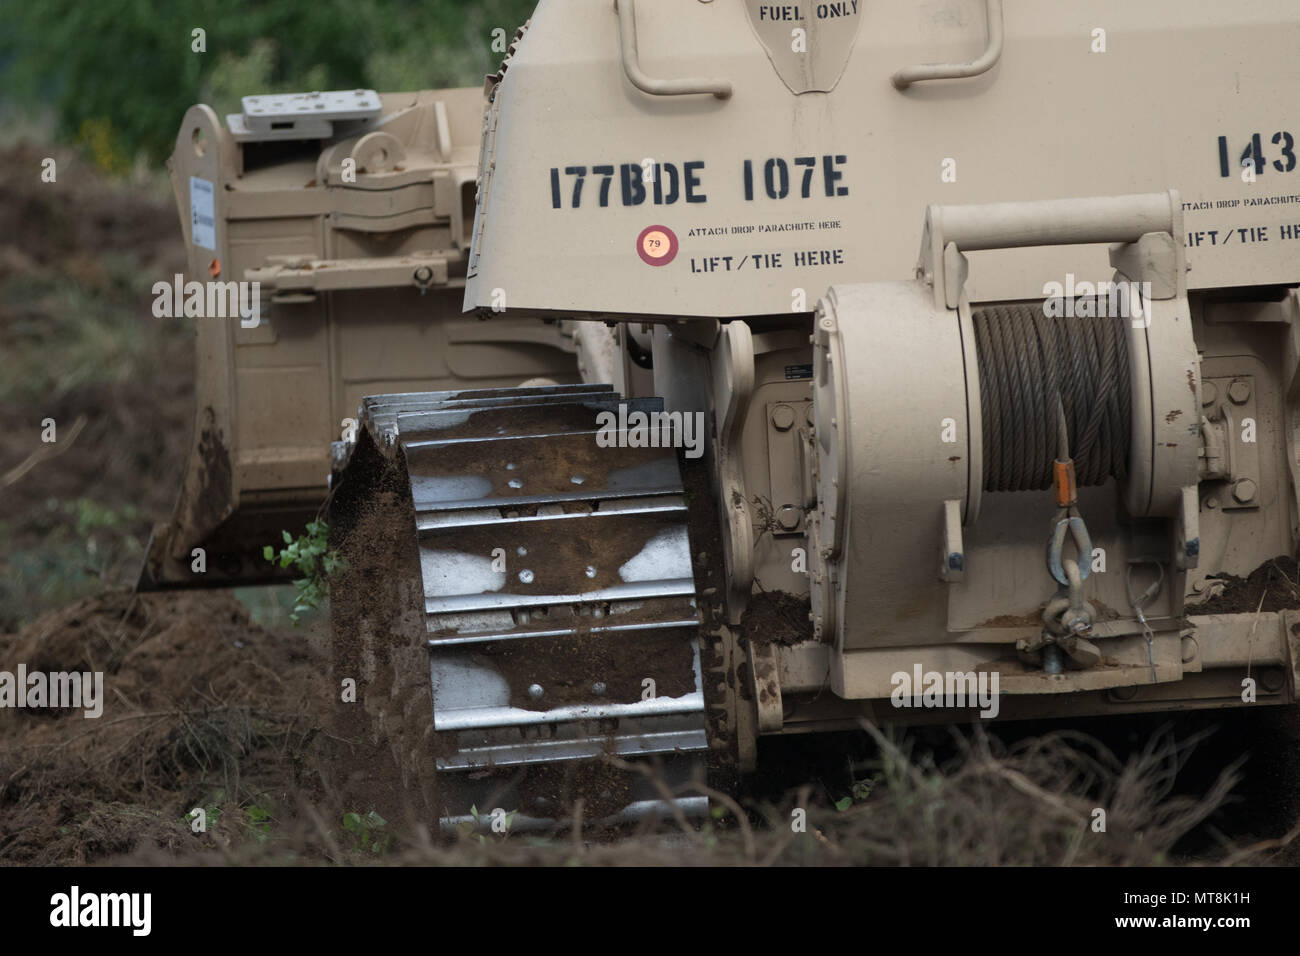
x,y
65,332
84,546
120,74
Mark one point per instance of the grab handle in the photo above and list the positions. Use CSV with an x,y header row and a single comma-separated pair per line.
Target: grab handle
x,y
626,10
955,71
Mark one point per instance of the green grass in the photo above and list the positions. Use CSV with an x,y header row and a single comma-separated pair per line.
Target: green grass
x,y
87,546
66,333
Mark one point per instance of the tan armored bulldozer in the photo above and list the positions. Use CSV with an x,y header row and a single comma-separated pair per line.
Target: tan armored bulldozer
x,y
974,343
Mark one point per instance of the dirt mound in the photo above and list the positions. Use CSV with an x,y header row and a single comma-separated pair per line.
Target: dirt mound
x,y
1276,582
202,708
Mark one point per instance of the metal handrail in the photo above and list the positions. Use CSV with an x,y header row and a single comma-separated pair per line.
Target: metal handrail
x,y
626,10
953,71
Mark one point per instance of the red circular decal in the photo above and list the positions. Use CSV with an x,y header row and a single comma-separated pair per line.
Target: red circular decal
x,y
657,245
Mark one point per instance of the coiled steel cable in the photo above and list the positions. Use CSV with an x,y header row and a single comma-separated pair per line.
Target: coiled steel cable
x,y
1028,362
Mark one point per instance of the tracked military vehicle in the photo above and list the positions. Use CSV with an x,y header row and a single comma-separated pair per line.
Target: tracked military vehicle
x,y
986,322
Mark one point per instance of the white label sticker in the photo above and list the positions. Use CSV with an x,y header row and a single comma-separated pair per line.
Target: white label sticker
x,y
203,218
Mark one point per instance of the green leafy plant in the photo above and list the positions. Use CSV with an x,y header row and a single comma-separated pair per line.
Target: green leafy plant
x,y
310,556
259,821
368,832
859,791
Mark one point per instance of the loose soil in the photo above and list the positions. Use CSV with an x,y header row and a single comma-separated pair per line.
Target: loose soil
x,y
1276,581
202,708
776,617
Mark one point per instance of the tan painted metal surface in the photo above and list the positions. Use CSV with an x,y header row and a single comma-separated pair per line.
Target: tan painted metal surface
x,y
852,170
358,248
